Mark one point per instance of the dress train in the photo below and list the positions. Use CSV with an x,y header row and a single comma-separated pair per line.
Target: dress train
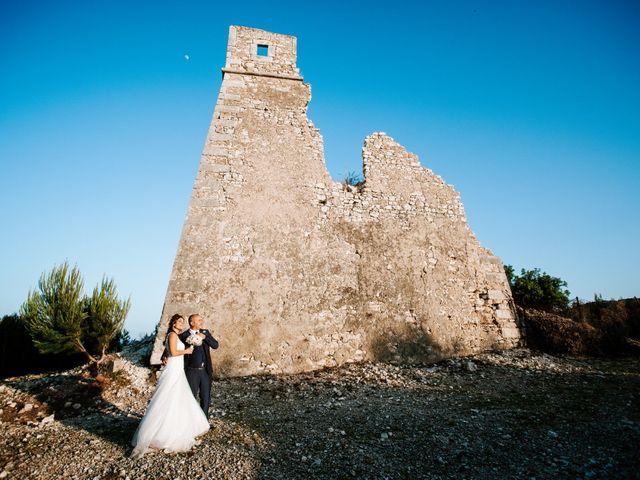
x,y
173,418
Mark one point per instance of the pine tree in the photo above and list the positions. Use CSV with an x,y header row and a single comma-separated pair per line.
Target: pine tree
x,y
55,313
60,319
106,315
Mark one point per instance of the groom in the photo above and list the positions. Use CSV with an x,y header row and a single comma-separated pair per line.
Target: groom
x,y
197,366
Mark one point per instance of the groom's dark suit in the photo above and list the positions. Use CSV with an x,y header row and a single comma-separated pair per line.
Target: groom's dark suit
x,y
198,368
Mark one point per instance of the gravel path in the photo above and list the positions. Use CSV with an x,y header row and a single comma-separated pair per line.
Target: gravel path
x,y
516,414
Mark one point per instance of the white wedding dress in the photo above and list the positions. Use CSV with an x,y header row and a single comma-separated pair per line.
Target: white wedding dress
x,y
173,418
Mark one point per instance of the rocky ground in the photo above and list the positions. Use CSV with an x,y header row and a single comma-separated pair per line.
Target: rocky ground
x,y
517,414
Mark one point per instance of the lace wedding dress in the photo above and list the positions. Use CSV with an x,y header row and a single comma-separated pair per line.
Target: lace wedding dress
x,y
173,418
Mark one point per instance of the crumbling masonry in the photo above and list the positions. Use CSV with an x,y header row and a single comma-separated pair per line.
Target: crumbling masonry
x,y
294,272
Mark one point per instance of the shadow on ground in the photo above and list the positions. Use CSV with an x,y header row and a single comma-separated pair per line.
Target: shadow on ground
x,y
443,422
76,400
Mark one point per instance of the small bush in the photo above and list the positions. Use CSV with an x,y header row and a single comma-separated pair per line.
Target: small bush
x,y
353,179
552,324
556,334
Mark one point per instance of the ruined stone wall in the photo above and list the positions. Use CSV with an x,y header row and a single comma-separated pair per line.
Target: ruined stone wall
x,y
295,272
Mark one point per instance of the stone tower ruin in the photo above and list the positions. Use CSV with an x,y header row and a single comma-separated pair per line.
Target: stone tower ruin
x,y
293,271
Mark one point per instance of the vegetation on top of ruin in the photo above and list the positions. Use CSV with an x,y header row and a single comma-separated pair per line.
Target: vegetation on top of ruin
x,y
353,179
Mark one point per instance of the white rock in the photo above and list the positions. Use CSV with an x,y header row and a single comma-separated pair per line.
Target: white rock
x,y
48,419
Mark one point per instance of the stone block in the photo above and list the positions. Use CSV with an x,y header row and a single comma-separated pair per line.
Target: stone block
x,y
510,332
215,167
496,295
504,314
215,150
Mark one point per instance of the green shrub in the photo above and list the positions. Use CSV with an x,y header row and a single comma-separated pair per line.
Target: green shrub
x,y
538,290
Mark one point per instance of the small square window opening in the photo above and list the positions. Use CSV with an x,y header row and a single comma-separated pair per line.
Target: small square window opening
x,y
263,50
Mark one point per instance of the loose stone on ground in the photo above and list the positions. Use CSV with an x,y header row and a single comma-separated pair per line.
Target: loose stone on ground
x,y
516,414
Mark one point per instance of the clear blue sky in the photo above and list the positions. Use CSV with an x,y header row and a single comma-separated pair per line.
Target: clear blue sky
x,y
530,109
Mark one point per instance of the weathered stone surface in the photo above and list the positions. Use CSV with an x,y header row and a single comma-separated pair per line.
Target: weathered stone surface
x,y
294,272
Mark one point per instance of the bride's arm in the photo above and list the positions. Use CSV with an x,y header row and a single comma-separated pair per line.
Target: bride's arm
x,y
173,346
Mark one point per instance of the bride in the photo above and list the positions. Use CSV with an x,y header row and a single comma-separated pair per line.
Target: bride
x,y
173,418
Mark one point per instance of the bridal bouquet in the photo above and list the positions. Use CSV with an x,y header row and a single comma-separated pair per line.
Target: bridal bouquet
x,y
194,340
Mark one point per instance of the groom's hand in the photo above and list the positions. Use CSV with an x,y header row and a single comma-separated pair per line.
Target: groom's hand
x,y
202,335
